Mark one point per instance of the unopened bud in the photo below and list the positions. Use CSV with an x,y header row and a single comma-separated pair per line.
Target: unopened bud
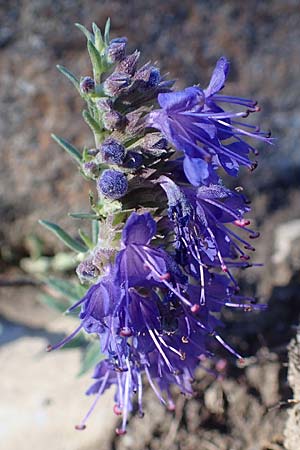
x,y
112,184
87,271
87,85
90,169
112,151
115,83
116,49
129,63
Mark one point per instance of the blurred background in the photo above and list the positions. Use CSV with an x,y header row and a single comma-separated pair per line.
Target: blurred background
x,y
41,397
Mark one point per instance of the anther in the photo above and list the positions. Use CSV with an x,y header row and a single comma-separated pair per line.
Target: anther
x,y
117,410
248,308
182,355
239,189
245,257
165,277
253,166
49,348
125,332
195,308
242,222
184,340
241,362
120,431
80,427
171,407
254,235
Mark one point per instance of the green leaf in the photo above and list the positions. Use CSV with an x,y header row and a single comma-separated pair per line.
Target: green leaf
x,y
95,231
97,130
70,76
86,239
99,44
86,32
64,236
67,289
92,356
106,31
68,147
88,216
54,303
96,61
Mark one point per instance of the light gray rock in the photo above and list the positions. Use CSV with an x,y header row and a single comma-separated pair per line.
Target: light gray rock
x,y
42,400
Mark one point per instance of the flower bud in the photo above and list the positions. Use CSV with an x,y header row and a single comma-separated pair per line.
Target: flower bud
x,y
112,151
129,63
112,184
115,83
112,120
90,169
150,75
86,271
104,104
87,85
116,49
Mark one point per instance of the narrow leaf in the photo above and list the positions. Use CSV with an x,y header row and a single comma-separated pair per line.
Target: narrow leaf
x,y
70,291
95,231
99,44
91,358
83,216
68,147
70,76
86,32
53,303
86,239
64,236
106,31
96,60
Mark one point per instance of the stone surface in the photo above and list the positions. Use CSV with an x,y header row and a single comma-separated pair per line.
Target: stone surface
x,y
292,428
286,257
41,400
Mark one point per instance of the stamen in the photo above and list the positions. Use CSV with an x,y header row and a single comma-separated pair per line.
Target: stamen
x,y
66,340
82,425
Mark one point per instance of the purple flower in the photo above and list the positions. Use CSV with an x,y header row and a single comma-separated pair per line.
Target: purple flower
x,y
194,123
202,237
138,263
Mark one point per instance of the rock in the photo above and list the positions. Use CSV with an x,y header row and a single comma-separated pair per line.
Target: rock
x,y
286,256
41,400
292,428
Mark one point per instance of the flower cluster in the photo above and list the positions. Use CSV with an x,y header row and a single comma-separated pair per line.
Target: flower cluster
x,y
169,233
